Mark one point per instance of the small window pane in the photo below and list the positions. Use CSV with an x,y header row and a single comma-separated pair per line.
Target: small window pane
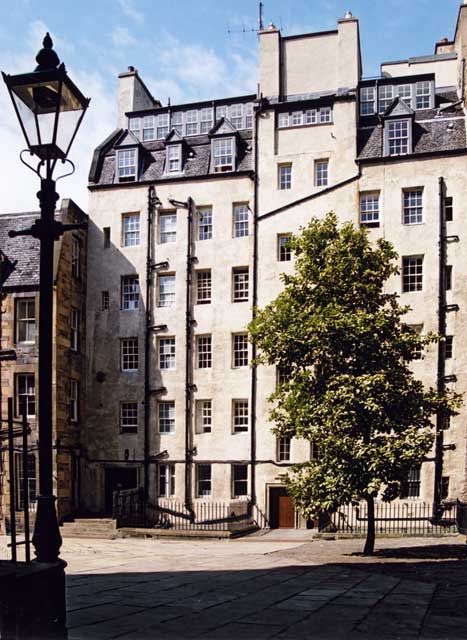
x,y
285,176
369,208
413,206
412,273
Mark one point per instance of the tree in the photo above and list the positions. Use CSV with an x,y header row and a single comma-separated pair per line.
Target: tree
x,y
342,341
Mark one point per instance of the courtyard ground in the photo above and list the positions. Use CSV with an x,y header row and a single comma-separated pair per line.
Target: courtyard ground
x,y
267,586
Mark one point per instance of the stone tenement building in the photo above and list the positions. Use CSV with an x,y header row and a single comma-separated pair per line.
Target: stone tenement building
x,y
19,331
172,403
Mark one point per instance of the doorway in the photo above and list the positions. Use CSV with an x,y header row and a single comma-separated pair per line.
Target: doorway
x,y
281,509
118,478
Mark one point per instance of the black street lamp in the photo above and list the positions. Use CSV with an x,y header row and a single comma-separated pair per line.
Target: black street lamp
x,y
50,109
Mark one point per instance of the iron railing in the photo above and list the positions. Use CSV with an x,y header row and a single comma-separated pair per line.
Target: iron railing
x,y
129,510
398,518
18,429
461,517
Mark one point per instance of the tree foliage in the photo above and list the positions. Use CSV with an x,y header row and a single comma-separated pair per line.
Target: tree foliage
x,y
341,339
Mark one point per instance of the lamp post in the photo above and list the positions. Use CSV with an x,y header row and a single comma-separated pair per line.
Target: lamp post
x,y
50,109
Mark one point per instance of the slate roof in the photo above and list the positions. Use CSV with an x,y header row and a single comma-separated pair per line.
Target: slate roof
x,y
197,160
433,130
24,249
428,137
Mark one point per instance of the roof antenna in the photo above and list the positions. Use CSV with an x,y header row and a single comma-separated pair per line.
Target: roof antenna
x,y
260,16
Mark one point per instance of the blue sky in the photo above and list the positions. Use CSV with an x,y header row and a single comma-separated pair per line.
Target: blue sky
x,y
183,49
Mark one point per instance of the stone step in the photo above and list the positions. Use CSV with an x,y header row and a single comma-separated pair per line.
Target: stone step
x,y
90,528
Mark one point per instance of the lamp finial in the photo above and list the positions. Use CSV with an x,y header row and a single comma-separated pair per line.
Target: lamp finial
x,y
47,57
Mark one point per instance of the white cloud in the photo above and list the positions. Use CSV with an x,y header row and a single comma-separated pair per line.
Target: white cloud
x,y
121,37
19,185
130,11
193,72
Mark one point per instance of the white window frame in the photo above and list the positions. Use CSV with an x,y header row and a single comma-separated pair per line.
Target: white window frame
x,y
25,387
191,122
166,416
241,220
128,417
236,115
204,416
127,165
206,120
296,118
249,114
412,273
163,126
367,101
240,284
167,353
284,253
223,154
167,227
240,350
398,132
369,208
130,292
149,128
129,354
203,286
283,449
176,122
134,125
130,229
412,206
405,93
284,176
204,351
173,161
325,115
240,415
166,291
424,93
25,323
204,220
321,172
166,479
386,96
283,120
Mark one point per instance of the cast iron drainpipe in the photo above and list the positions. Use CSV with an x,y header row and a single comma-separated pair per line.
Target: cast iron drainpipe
x,y
441,383
152,201
189,361
254,372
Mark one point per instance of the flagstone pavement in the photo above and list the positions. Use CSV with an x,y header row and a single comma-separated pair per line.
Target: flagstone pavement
x,y
266,587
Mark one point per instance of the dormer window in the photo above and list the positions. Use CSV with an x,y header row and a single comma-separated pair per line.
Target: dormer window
x,y
206,120
223,154
367,101
386,96
135,127
148,128
177,122
398,137
192,123
423,95
127,164
174,158
162,126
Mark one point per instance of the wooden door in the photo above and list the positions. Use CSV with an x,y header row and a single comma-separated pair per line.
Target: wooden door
x,y
281,509
286,513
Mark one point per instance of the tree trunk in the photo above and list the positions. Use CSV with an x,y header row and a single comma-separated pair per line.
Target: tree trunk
x,y
370,536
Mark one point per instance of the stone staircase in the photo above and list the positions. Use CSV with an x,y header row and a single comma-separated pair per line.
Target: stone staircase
x,y
104,528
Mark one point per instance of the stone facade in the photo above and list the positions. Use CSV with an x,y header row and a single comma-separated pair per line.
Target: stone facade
x,y
20,296
318,137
